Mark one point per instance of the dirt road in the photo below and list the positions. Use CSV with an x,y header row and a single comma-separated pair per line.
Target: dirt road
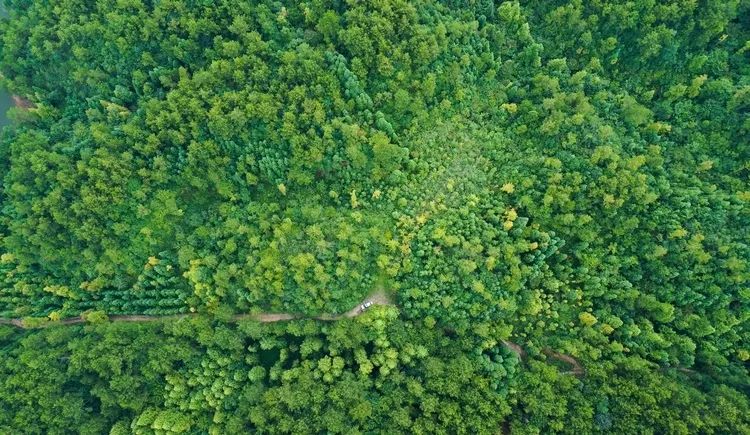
x,y
576,369
379,297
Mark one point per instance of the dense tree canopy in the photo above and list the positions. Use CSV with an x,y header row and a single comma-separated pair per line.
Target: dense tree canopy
x,y
556,195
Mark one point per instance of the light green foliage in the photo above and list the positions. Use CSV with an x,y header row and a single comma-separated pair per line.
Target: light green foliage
x,y
554,194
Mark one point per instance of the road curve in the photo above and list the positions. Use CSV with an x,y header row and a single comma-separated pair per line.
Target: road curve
x,y
377,298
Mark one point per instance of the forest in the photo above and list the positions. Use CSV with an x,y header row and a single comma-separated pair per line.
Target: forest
x,y
546,203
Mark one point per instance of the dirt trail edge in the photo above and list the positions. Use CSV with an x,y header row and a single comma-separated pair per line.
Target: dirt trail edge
x,y
379,297
576,367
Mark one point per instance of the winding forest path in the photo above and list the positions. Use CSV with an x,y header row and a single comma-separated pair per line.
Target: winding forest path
x,y
379,297
576,369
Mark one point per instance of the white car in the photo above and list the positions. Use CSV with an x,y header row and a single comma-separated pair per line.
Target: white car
x,y
365,306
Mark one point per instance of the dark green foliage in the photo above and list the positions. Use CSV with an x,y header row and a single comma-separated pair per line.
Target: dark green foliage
x,y
556,195
372,373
